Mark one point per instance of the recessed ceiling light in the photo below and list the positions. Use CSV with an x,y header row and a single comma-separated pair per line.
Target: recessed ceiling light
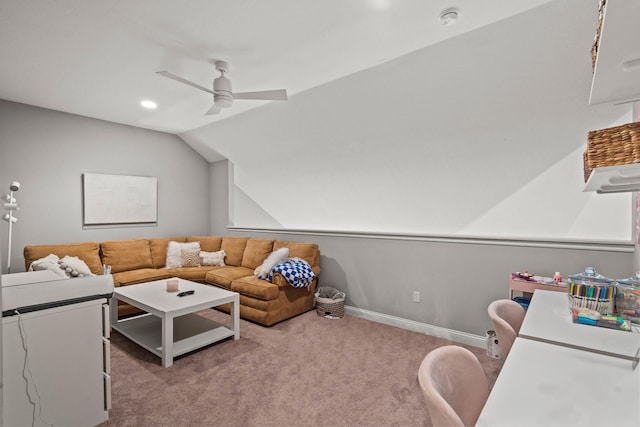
x,y
149,104
449,16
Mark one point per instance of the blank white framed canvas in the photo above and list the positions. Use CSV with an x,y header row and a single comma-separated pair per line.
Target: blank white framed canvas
x,y
119,199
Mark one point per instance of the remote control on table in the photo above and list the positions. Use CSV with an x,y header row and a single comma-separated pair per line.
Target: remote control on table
x,y
185,293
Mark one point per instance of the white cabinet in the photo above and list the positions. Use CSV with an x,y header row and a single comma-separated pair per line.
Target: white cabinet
x,y
616,77
56,366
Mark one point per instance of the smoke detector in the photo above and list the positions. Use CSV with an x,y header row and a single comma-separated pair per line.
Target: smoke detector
x,y
449,16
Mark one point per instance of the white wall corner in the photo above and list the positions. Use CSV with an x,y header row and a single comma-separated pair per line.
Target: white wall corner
x,y
231,191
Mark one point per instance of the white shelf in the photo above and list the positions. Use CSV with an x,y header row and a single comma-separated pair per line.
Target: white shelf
x,y
191,332
616,77
614,179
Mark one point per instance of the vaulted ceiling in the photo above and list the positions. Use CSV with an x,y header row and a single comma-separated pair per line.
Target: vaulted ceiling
x,y
99,58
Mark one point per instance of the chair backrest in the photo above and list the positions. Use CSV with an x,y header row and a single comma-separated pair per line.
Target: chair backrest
x,y
507,317
454,385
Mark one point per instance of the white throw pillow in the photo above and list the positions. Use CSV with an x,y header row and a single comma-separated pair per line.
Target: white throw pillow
x,y
276,257
75,267
50,262
212,258
174,252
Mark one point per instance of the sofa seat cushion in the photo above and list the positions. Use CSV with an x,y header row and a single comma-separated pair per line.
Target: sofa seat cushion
x,y
88,252
126,255
254,287
159,249
133,277
195,274
223,276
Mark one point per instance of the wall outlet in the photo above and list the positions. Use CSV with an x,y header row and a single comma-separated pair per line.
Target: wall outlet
x,y
416,296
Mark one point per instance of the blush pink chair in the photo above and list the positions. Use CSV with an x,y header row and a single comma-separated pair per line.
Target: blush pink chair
x,y
507,317
454,386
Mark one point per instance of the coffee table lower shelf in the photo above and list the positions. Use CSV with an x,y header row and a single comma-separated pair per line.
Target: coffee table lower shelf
x,y
190,332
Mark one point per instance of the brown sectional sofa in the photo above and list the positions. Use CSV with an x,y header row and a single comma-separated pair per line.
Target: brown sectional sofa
x,y
142,260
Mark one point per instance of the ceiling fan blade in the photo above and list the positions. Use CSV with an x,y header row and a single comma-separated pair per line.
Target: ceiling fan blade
x,y
267,95
181,80
213,110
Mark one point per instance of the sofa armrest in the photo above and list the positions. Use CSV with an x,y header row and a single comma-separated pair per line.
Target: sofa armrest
x,y
279,280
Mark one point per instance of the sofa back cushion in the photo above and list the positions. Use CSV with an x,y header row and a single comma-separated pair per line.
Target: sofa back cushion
x,y
89,252
307,251
234,249
256,251
125,255
158,248
207,243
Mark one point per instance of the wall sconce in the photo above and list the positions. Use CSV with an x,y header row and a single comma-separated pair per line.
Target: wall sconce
x,y
11,204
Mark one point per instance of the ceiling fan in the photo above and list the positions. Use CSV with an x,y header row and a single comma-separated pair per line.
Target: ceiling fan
x,y
223,95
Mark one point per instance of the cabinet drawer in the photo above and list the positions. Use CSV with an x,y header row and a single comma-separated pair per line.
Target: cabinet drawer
x,y
106,321
106,355
107,391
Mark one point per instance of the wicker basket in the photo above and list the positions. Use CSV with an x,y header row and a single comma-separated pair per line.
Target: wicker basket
x,y
614,146
329,302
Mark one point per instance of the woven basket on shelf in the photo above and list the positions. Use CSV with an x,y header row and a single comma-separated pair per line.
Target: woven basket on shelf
x,y
329,302
619,145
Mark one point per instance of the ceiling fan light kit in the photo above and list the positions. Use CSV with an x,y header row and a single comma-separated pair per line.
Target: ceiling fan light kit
x,y
223,95
222,92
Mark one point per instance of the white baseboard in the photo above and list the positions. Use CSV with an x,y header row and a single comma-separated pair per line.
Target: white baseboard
x,y
425,328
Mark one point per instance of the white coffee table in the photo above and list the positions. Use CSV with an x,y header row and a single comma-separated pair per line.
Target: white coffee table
x,y
170,327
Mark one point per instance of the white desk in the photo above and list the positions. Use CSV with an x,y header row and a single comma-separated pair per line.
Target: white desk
x,y
544,384
528,287
549,319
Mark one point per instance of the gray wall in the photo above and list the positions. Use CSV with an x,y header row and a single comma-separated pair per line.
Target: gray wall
x,y
48,151
219,176
457,280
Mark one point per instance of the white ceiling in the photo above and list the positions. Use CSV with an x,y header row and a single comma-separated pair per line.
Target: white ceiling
x,y
98,58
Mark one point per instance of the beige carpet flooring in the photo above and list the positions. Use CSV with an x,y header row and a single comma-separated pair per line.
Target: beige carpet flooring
x,y
306,371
